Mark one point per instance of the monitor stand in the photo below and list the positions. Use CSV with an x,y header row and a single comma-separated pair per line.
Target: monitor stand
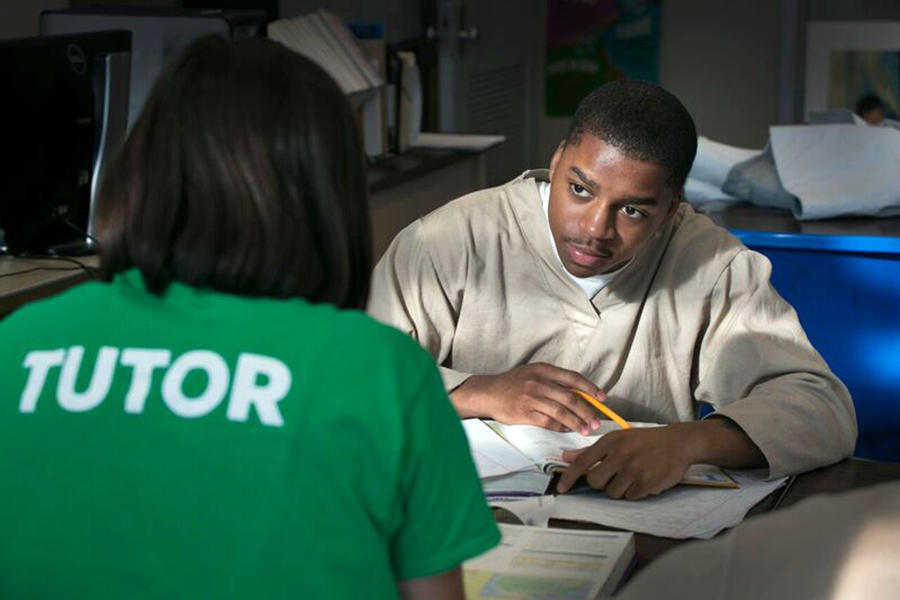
x,y
77,248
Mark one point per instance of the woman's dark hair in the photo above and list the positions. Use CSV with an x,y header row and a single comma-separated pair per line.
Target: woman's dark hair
x,y
245,174
643,121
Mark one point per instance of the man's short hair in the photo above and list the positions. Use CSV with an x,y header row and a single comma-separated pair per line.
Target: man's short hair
x,y
643,121
867,103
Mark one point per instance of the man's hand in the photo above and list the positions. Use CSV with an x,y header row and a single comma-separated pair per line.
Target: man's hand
x,y
536,394
640,462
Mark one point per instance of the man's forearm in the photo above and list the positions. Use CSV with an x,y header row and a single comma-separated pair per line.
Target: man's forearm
x,y
720,441
465,400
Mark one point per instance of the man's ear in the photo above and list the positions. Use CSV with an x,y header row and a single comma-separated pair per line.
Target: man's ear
x,y
556,156
673,208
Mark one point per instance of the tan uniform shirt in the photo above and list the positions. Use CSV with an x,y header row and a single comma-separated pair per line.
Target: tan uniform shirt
x,y
692,319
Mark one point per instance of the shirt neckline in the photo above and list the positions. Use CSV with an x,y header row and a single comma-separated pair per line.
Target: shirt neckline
x,y
589,285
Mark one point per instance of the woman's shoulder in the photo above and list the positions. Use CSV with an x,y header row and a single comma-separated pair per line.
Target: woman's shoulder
x,y
387,341
65,305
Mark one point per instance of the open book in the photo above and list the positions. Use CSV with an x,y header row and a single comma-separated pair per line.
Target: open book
x,y
544,448
537,563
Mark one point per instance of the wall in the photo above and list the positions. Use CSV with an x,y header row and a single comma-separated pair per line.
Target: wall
x,y
738,65
19,18
721,60
858,10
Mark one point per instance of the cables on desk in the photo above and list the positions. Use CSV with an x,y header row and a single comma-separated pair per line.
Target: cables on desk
x,y
91,271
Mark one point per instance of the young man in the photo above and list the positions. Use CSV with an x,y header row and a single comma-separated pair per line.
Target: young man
x,y
596,277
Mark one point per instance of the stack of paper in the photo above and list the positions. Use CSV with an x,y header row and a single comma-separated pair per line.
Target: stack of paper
x,y
324,39
681,512
458,141
515,462
533,563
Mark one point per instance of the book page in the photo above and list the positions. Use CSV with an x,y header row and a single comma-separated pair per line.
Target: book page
x,y
708,475
492,454
540,563
545,448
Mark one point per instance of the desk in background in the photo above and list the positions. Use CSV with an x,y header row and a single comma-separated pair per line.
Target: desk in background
x,y
410,185
843,278
49,278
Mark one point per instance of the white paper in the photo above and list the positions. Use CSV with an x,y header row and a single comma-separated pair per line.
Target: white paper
x,y
714,160
458,141
681,512
837,170
534,511
545,447
410,101
493,456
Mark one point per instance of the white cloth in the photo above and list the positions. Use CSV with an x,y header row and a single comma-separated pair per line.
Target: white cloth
x,y
697,190
715,159
836,170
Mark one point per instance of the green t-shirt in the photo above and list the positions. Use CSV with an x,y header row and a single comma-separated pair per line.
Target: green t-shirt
x,y
202,445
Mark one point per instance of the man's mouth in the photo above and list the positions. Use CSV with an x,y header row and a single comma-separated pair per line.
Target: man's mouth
x,y
585,256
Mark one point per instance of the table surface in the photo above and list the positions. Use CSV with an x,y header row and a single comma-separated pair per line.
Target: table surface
x,y
411,164
843,476
747,216
25,279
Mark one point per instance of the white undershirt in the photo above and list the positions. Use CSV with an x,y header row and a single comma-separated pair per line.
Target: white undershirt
x,y
590,285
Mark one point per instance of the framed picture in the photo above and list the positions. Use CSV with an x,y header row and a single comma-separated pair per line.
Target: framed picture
x,y
847,61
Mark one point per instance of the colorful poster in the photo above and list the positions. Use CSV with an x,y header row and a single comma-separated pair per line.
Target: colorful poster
x,y
590,42
856,74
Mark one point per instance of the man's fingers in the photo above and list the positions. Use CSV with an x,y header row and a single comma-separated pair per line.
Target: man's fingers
x,y
584,459
600,474
571,379
571,456
637,492
616,485
539,419
560,413
583,411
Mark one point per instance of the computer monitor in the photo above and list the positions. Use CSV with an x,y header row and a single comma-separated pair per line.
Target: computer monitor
x,y
64,107
157,33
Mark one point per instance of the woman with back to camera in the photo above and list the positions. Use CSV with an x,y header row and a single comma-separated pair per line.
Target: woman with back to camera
x,y
216,419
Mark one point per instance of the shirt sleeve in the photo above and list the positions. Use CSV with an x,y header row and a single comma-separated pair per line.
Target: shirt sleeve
x,y
758,369
446,519
409,293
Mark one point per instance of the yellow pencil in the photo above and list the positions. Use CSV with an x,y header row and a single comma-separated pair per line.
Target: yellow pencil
x,y
605,410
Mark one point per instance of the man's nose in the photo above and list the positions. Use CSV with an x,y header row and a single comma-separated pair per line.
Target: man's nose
x,y
598,222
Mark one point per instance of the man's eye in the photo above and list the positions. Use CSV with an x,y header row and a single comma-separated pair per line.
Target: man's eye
x,y
632,212
579,190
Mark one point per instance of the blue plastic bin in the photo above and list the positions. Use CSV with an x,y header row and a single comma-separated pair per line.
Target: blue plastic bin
x,y
846,291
